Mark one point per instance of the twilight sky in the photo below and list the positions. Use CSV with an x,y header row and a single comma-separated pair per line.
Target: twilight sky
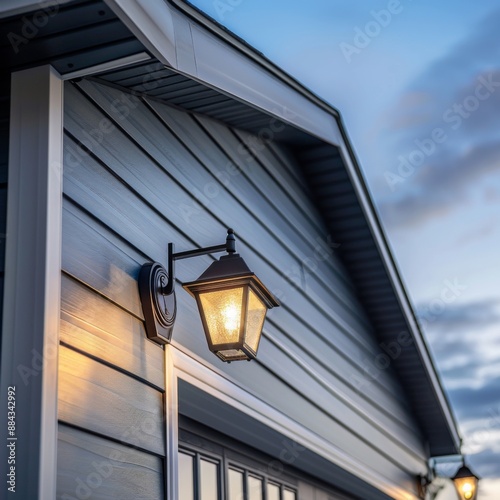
x,y
418,85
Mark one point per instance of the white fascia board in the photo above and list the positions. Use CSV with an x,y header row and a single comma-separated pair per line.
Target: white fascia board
x,y
221,66
31,308
373,221
151,22
192,49
197,372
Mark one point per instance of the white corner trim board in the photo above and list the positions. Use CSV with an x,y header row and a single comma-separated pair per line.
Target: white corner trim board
x,y
31,308
171,423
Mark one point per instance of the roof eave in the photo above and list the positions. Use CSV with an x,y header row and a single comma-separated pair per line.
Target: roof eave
x,y
193,45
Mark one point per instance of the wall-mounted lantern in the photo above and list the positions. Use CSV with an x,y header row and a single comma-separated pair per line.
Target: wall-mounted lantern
x,y
465,483
231,300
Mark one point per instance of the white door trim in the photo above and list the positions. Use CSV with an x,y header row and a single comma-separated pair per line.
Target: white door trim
x,y
190,368
172,425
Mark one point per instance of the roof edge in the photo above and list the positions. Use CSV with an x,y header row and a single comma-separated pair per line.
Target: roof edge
x,y
394,275
244,47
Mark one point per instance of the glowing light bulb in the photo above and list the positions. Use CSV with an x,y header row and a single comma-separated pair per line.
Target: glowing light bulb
x,y
467,491
231,316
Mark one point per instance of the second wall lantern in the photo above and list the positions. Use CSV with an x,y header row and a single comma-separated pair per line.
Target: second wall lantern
x,y
231,300
465,483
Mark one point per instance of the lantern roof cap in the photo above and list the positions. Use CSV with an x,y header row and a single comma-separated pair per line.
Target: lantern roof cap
x,y
463,472
232,268
228,266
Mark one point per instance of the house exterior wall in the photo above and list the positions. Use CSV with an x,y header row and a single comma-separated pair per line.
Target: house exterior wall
x,y
140,174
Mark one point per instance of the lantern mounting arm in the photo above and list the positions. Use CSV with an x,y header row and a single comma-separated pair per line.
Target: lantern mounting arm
x,y
229,246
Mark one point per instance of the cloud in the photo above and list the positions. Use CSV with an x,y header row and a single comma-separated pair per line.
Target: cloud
x,y
483,402
456,337
458,317
479,232
478,410
459,95
486,463
443,182
459,336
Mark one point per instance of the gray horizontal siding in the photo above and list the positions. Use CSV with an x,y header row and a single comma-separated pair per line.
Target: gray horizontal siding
x,y
91,466
98,398
111,377
190,205
116,338
139,174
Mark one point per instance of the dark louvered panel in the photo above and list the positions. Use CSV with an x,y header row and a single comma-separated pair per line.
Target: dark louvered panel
x,y
135,74
51,20
70,37
200,99
170,88
154,80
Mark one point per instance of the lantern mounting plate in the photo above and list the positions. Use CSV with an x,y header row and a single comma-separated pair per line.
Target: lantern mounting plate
x,y
159,308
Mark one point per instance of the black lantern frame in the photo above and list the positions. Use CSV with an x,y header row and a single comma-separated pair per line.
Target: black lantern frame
x,y
465,476
230,272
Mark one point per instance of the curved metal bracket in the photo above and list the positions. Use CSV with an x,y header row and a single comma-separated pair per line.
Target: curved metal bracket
x,y
229,247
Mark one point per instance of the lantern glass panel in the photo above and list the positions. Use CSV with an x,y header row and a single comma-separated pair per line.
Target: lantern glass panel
x,y
465,487
255,320
222,312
